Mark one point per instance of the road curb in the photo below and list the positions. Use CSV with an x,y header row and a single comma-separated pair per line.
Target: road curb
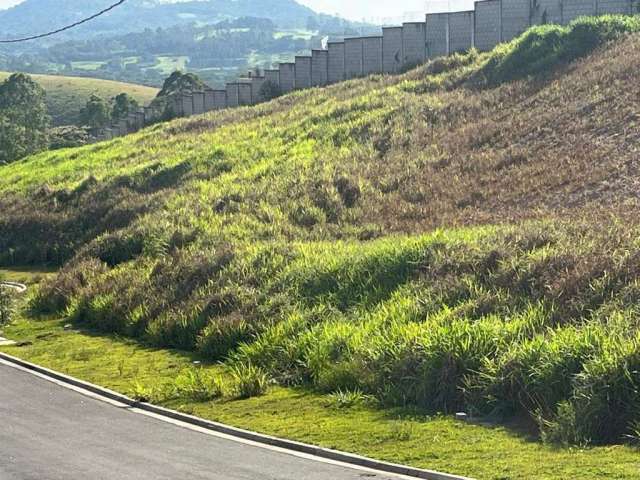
x,y
293,446
18,287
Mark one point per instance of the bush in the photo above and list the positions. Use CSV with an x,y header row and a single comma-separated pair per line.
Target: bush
x,y
343,399
55,294
543,47
249,380
6,306
198,385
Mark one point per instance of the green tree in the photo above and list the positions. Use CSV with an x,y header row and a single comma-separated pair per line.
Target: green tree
x,y
179,82
95,114
122,105
174,85
23,118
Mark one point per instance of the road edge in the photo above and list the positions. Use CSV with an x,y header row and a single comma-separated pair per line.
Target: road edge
x,y
298,447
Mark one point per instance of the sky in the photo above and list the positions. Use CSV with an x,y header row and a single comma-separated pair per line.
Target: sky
x,y
367,9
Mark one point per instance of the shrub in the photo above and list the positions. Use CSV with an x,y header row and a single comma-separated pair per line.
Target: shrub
x,y
343,399
249,380
543,47
6,306
55,294
222,335
198,385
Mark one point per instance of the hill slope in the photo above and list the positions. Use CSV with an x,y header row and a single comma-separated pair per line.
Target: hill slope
x,y
445,238
67,95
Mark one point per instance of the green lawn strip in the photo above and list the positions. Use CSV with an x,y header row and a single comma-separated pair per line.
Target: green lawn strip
x,y
394,435
26,275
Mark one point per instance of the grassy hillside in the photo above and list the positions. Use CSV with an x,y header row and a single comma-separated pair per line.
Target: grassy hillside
x,y
459,237
67,95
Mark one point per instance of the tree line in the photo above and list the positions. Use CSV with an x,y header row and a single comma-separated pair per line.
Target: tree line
x,y
25,126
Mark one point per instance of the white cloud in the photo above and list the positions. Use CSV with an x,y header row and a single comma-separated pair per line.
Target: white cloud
x,y
8,3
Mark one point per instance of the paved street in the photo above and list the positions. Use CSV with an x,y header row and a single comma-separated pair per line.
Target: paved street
x,y
48,432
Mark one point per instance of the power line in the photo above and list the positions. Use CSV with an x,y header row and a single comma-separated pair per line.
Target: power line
x,y
68,27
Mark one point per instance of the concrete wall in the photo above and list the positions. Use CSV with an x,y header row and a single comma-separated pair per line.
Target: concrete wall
x,y
219,99
272,76
319,68
187,105
132,122
287,77
371,55
613,6
487,25
437,34
256,86
392,53
244,93
546,11
515,18
198,103
233,95
353,64
461,25
336,62
492,21
303,72
573,9
123,127
140,119
149,115
209,100
414,43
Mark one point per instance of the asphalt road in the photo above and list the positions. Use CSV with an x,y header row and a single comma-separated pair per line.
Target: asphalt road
x,y
48,432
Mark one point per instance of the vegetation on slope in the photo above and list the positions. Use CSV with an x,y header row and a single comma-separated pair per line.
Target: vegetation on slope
x,y
66,96
400,435
292,235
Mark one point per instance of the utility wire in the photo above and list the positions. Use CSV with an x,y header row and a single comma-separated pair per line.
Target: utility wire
x,y
68,27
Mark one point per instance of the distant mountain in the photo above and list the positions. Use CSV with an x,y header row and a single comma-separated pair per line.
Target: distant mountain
x,y
35,16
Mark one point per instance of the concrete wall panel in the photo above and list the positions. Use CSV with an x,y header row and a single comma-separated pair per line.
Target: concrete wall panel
x,y
437,34
219,99
233,95
272,76
353,59
546,12
140,119
336,62
614,6
187,105
209,101
414,43
487,25
303,72
572,9
372,55
123,127
198,103
256,86
319,68
287,77
461,26
515,18
392,53
244,93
